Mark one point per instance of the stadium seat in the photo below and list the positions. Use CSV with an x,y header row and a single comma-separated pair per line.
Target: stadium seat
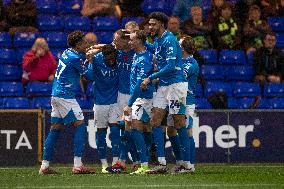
x,y
202,103
274,90
127,19
104,37
15,103
198,91
1,103
209,56
276,103
239,73
77,23
39,89
11,89
276,23
49,23
10,72
5,40
232,57
7,56
84,103
56,39
47,6
70,7
41,102
212,87
149,6
245,103
57,52
280,40
24,39
105,23
212,72
232,103
250,58
247,90
20,54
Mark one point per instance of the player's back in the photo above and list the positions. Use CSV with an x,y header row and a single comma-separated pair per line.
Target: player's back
x,y
67,76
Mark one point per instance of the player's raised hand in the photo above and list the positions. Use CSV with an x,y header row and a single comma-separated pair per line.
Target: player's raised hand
x,y
144,84
91,51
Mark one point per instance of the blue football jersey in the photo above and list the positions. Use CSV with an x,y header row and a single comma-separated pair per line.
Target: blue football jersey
x,y
105,85
169,59
124,62
142,67
191,70
67,77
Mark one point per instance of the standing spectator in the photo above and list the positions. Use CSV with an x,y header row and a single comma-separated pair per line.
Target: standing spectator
x,y
198,29
182,8
21,16
254,30
226,29
92,8
280,8
268,7
269,61
3,23
174,26
38,63
130,8
215,10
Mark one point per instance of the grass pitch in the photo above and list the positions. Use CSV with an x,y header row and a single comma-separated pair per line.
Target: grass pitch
x,y
206,176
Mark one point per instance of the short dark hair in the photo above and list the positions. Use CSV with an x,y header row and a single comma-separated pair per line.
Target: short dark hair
x,y
108,49
161,17
74,38
141,35
271,33
188,45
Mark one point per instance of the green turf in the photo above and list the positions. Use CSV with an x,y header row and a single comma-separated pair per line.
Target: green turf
x,y
206,176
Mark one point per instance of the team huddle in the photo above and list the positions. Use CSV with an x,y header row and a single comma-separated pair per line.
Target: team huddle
x,y
138,87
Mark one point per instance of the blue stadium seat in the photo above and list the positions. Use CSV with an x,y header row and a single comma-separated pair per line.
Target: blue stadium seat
x,y
274,90
84,103
276,23
47,6
20,54
104,37
263,104
250,58
77,23
244,103
7,56
232,57
49,23
239,73
149,6
11,89
56,39
247,90
198,91
57,52
212,72
202,103
232,103
15,103
5,39
10,72
280,40
41,103
39,89
210,56
127,19
212,87
105,23
24,39
70,7
1,103
276,103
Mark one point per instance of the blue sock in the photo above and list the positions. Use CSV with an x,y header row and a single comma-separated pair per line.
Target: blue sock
x,y
184,143
140,145
176,147
101,143
192,150
115,140
50,143
80,139
132,148
123,145
148,142
159,141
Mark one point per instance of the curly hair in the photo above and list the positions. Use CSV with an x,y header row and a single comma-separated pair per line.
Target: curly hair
x,y
141,35
108,49
188,45
74,38
161,17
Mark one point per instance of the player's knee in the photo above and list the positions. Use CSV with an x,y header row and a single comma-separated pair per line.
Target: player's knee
x,y
77,123
56,126
179,121
154,122
189,131
171,131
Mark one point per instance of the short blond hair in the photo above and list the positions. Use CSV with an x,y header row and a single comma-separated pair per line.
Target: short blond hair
x,y
40,42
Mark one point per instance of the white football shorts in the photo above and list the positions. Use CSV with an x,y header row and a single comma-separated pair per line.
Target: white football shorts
x,y
105,114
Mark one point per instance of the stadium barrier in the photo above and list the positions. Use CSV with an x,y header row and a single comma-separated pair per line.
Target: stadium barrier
x,y
223,136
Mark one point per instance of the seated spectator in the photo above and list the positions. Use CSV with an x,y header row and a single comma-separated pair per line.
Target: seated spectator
x,y
131,26
38,63
130,8
280,8
198,29
182,7
214,13
174,26
21,16
269,61
92,8
3,23
226,29
254,30
91,38
242,9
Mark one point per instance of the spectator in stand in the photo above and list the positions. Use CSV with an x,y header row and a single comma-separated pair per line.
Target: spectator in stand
x,y
130,8
38,64
269,61
91,38
182,8
144,25
254,30
226,29
268,8
198,29
242,9
280,8
174,26
92,8
215,11
3,23
21,16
